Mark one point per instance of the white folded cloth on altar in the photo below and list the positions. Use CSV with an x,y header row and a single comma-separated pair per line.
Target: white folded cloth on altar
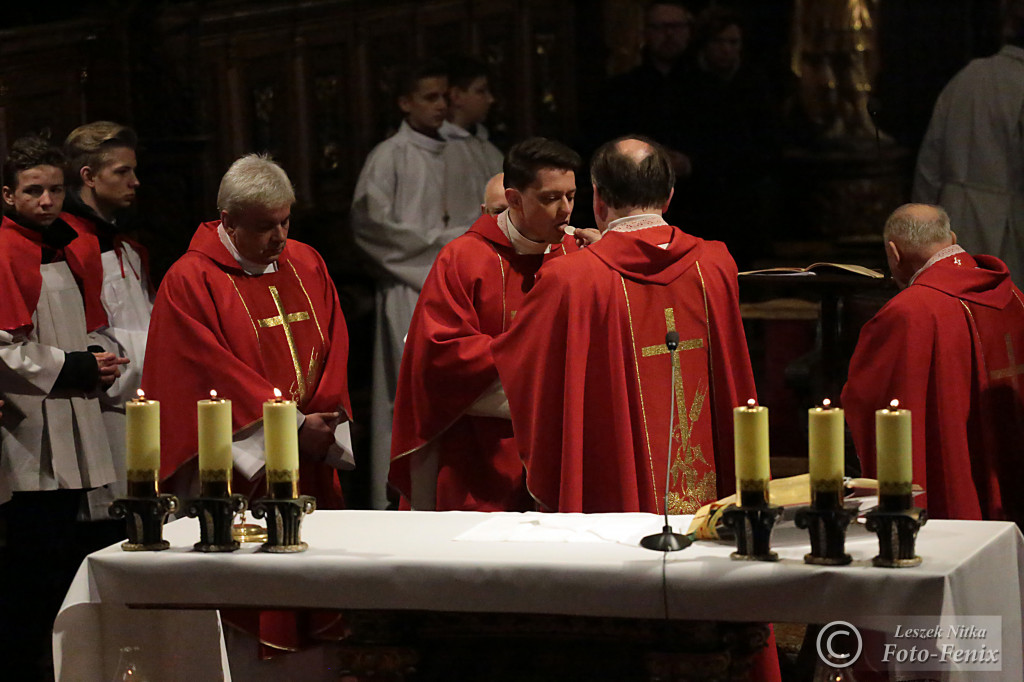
x,y
540,527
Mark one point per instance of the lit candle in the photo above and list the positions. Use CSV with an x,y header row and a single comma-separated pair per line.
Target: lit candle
x,y
750,429
894,457
142,445
281,439
214,446
825,454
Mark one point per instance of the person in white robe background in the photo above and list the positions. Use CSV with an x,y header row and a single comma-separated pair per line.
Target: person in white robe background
x,y
53,444
402,214
472,158
971,160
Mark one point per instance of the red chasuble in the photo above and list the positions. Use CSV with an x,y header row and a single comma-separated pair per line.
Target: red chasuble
x,y
216,327
21,280
589,379
950,348
471,295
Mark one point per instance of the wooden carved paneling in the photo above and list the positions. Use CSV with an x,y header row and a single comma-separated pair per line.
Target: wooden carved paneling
x,y
386,46
494,41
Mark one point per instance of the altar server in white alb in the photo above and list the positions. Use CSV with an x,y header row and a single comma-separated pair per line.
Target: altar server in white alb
x,y
402,214
53,444
102,185
472,159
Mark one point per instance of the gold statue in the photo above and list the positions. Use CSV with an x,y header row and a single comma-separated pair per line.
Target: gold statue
x,y
834,55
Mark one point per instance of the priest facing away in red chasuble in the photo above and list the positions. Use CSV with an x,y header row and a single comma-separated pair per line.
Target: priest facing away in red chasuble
x,y
587,374
950,348
452,444
586,370
243,312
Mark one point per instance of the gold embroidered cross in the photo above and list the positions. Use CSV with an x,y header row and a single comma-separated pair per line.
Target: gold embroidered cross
x,y
1011,372
283,319
682,464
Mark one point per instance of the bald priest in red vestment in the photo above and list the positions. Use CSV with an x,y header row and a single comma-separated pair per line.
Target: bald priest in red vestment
x,y
245,311
588,376
452,445
950,348
586,370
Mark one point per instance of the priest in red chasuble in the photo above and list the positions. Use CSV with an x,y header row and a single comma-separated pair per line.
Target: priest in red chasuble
x,y
452,445
589,379
950,348
245,311
586,370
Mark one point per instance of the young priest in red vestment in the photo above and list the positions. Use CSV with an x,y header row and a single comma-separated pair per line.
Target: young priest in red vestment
x,y
589,379
245,311
452,445
950,348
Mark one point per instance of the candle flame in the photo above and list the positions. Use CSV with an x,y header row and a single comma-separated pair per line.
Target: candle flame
x,y
213,395
894,405
140,394
277,394
751,403
826,403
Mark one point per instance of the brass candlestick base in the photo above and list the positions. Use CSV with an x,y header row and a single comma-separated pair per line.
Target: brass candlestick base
x,y
753,527
284,522
144,519
827,528
897,535
215,515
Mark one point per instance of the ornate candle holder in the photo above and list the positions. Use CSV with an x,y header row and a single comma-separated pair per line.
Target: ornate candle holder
x,y
826,520
283,509
896,522
752,521
216,510
144,512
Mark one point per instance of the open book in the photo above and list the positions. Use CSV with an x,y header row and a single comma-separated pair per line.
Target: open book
x,y
815,268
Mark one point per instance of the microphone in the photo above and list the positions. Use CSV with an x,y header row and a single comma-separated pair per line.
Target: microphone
x,y
666,540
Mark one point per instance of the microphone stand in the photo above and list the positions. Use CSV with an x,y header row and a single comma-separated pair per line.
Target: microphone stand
x,y
666,540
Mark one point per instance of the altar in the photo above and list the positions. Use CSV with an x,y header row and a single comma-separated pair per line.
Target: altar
x,y
161,603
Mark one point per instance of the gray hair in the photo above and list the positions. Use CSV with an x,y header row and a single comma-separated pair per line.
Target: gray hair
x,y
255,180
913,228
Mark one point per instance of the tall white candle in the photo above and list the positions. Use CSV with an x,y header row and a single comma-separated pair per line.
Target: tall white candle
x,y
142,445
894,450
215,462
826,451
750,431
281,438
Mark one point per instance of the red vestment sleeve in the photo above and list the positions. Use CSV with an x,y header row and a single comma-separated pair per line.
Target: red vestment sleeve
x,y
447,361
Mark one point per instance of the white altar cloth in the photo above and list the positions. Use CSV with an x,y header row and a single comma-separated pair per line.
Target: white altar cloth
x,y
450,561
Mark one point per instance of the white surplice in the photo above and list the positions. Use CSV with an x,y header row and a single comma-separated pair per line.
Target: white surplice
x,y
129,305
50,439
401,217
472,161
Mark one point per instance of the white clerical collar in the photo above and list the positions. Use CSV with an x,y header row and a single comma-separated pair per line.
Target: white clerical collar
x,y
521,244
950,250
632,223
249,266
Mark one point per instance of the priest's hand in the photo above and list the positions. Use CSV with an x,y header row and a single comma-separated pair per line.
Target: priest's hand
x,y
585,236
110,367
317,434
